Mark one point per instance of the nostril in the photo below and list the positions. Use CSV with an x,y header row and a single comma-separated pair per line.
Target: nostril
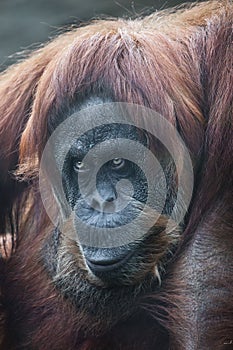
x,y
110,199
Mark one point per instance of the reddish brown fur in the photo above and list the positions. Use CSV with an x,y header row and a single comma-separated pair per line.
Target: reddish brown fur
x,y
179,64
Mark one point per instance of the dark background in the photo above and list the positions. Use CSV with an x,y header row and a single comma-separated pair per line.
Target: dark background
x,y
27,22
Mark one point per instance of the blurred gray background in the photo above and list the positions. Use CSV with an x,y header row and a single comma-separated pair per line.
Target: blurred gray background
x,y
26,23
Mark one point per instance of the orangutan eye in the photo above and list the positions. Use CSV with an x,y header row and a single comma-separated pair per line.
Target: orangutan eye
x,y
79,166
117,163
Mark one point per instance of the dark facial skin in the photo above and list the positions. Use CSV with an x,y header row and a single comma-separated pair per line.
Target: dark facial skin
x,y
102,211
110,280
